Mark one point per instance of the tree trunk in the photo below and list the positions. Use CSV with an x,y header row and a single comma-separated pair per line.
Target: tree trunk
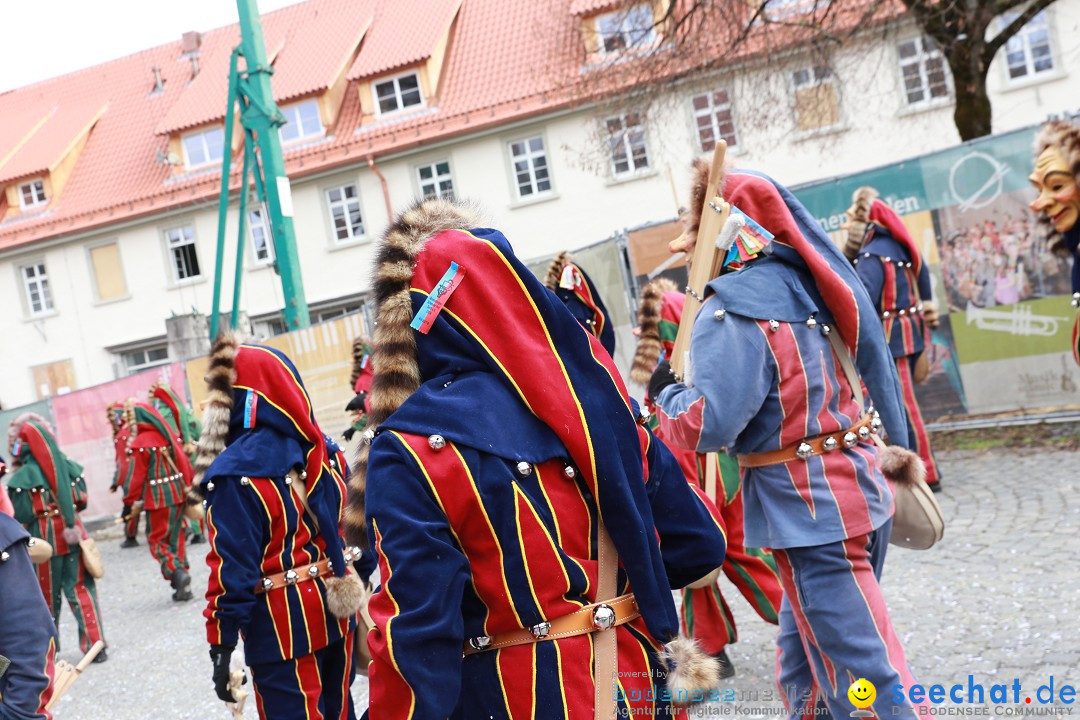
x,y
973,113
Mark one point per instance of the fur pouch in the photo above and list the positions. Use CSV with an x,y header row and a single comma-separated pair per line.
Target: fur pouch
x,y
691,673
344,595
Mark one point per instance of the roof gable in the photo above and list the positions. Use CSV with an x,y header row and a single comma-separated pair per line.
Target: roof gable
x,y
405,33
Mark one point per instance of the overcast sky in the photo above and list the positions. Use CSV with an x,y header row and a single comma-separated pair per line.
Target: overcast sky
x,y
40,39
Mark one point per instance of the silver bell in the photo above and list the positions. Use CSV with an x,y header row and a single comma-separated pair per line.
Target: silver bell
x,y
540,630
773,326
902,312
368,436
825,330
245,480
850,439
303,474
830,443
603,616
479,643
804,450
1076,299
864,432
4,556
720,314
209,486
875,425
811,322
524,469
313,571
644,417
267,584
291,577
569,471
436,442
288,479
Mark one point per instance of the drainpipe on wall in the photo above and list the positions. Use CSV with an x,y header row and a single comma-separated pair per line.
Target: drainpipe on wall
x,y
385,188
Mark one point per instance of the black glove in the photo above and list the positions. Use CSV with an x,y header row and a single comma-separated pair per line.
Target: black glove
x,y
357,403
661,378
125,513
349,433
220,656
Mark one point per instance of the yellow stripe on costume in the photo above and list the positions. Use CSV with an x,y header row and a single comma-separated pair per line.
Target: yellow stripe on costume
x,y
389,621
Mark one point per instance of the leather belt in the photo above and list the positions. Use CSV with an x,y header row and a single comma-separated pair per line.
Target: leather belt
x,y
590,618
818,445
293,576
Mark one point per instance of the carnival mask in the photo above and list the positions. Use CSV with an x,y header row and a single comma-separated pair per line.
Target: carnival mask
x,y
1059,196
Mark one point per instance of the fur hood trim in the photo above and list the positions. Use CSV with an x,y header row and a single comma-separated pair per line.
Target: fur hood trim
x,y
219,404
394,356
648,350
555,269
17,425
358,350
699,185
861,201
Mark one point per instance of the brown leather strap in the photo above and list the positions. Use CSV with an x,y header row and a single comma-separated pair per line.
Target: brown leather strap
x,y
578,622
605,649
810,446
293,576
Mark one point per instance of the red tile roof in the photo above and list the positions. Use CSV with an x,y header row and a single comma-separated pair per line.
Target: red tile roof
x,y
590,7
507,60
49,142
405,33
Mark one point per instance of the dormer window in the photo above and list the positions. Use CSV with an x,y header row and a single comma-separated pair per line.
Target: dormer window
x,y
303,121
32,194
630,27
203,148
398,93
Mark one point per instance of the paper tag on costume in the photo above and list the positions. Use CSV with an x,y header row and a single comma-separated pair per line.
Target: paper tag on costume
x,y
251,404
16,447
437,298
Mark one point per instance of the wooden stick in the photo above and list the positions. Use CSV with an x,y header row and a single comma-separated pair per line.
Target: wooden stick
x,y
65,675
706,259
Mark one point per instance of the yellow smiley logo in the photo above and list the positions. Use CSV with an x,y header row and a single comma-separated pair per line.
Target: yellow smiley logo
x,y
862,693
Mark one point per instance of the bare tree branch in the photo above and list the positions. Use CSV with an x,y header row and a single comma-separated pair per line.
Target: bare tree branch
x,y
1014,27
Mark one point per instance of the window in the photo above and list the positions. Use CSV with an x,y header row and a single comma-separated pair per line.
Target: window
x,y
303,121
784,10
344,203
203,148
1028,52
817,102
923,69
36,284
712,113
109,283
262,244
435,180
530,167
626,141
144,359
182,250
398,93
340,311
32,194
627,28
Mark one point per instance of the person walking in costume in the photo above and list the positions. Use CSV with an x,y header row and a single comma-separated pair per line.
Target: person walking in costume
x,y
47,492
1056,177
578,292
154,473
892,269
360,383
130,520
705,613
274,489
769,386
187,429
27,634
517,506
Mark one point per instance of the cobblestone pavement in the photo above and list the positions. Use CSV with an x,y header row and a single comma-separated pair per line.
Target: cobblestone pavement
x,y
999,598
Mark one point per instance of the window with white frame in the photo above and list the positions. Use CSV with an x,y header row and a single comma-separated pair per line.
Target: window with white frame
x,y
435,180
531,176
817,98
344,205
630,27
36,284
626,143
1029,52
325,314
182,252
202,148
302,121
262,244
145,358
922,67
712,114
32,194
398,93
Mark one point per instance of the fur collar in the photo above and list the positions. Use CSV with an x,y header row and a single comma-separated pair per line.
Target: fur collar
x,y
219,403
648,347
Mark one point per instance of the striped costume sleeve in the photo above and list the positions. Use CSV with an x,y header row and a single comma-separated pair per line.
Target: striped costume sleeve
x,y
418,627
234,522
732,374
692,538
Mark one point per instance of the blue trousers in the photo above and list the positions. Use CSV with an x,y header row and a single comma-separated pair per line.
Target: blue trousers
x,y
312,687
835,628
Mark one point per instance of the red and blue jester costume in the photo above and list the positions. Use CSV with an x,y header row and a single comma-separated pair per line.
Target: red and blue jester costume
x,y
154,472
705,613
504,457
274,491
892,269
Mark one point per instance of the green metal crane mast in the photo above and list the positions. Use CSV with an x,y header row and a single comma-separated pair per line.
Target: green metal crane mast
x,y
259,119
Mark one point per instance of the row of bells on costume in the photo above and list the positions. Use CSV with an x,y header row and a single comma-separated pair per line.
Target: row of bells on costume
x,y
913,310
245,480
292,577
132,451
5,555
602,619
524,469
887,260
166,479
1076,300
41,490
849,439
774,325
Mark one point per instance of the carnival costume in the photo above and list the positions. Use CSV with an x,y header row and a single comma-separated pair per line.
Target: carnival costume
x,y
187,429
506,468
